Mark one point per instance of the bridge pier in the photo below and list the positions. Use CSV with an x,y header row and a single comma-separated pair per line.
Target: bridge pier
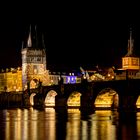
x,y
60,102
127,103
86,101
87,104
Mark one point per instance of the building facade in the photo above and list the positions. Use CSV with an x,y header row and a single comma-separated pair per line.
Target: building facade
x,y
34,60
11,79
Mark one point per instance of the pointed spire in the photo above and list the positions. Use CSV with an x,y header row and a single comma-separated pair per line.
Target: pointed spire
x,y
22,47
29,41
130,45
36,37
43,42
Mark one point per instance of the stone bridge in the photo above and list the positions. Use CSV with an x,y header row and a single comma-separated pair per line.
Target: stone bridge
x,y
128,92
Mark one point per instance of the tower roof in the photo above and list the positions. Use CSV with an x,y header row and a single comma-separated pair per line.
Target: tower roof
x,y
29,40
35,39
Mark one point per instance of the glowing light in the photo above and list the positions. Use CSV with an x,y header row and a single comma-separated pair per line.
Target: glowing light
x,y
50,98
71,79
138,102
105,100
32,98
74,99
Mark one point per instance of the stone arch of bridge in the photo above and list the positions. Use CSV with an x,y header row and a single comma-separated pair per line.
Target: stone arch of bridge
x,y
50,98
107,98
31,98
128,98
74,99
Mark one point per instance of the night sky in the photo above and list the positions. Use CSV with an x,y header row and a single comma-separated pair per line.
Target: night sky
x,y
75,35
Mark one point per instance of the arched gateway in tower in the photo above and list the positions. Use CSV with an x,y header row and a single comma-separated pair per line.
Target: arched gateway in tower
x,y
34,60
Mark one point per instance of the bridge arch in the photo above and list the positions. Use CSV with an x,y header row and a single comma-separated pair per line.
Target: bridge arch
x,y
74,99
32,98
107,98
50,98
138,102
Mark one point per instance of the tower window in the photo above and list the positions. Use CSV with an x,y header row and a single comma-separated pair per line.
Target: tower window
x,y
38,59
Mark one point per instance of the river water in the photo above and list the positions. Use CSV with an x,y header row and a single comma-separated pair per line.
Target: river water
x,y
68,124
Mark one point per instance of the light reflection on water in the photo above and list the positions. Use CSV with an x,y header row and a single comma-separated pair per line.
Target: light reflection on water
x,y
71,124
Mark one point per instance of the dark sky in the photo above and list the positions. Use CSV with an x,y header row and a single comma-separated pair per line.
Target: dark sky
x,y
75,35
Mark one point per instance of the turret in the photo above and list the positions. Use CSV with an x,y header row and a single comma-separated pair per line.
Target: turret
x,y
130,62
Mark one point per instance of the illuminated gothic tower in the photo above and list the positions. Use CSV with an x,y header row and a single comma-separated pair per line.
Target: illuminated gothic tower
x,y
34,59
130,61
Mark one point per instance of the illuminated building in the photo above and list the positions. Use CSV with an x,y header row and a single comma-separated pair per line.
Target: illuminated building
x,y
11,80
130,62
68,78
34,61
34,67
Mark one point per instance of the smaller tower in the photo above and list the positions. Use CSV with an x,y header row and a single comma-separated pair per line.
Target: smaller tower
x,y
130,61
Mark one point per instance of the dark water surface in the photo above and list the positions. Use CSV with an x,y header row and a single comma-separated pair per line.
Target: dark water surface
x,y
71,124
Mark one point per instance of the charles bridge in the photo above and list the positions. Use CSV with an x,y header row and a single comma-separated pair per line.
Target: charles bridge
x,y
128,92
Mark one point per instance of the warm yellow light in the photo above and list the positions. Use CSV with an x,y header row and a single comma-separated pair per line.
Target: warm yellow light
x,y
108,75
32,98
138,102
74,99
105,100
50,98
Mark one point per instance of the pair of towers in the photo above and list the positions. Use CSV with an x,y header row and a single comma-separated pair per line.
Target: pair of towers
x,y
34,59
